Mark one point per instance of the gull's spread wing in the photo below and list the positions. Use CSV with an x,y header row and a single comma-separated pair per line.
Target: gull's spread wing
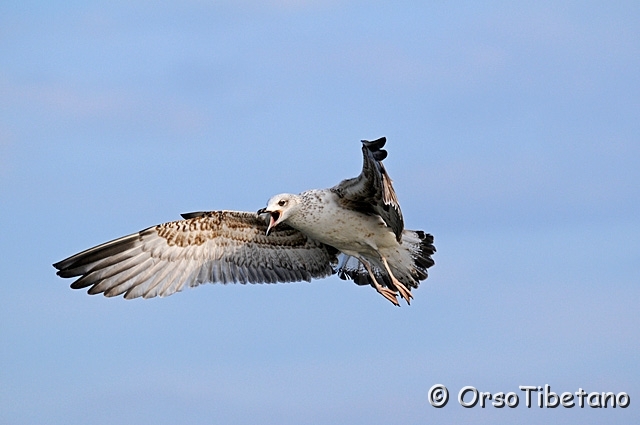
x,y
372,192
217,246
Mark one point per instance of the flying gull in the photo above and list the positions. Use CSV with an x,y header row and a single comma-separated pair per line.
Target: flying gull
x,y
354,229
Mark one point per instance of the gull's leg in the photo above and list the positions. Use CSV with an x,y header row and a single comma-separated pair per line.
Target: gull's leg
x,y
404,292
385,292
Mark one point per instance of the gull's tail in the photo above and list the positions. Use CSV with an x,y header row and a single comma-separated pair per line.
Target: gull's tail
x,y
409,264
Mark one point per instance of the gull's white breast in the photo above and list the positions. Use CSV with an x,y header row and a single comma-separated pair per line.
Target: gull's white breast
x,y
322,218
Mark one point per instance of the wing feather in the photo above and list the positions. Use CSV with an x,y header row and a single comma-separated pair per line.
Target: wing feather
x,y
217,246
372,191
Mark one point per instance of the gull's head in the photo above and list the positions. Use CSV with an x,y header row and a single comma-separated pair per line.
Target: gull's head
x,y
279,208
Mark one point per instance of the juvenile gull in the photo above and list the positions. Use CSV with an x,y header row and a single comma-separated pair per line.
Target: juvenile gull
x,y
354,229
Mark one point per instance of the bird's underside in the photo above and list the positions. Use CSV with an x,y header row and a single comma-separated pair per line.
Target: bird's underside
x,y
277,244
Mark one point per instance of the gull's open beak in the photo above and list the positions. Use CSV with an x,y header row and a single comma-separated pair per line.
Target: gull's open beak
x,y
273,218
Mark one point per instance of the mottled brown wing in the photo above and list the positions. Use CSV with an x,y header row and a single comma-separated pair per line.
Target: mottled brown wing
x,y
372,192
217,246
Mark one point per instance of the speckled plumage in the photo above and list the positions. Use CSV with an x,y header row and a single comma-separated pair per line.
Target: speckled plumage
x,y
361,218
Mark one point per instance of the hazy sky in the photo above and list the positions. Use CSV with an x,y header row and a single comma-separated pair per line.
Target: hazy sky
x,y
513,136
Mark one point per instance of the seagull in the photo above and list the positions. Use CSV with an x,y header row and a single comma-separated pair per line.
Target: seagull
x,y
354,229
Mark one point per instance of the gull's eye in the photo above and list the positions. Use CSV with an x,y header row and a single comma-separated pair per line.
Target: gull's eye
x,y
282,203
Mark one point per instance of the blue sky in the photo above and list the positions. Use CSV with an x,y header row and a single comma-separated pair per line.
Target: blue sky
x,y
513,137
